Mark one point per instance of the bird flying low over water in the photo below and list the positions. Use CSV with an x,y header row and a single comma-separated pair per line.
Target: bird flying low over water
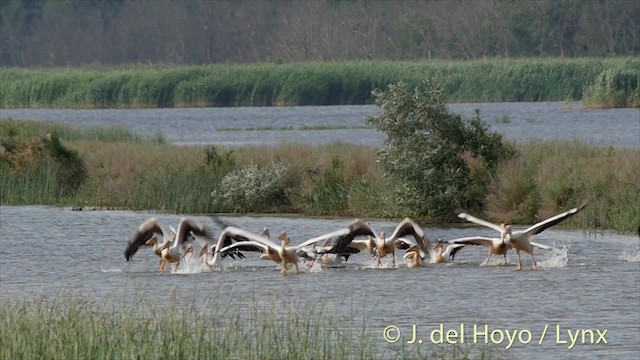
x,y
186,227
518,240
285,253
171,249
496,246
378,244
229,236
439,254
147,235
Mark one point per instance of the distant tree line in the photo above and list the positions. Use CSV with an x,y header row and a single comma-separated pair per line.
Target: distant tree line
x,y
76,32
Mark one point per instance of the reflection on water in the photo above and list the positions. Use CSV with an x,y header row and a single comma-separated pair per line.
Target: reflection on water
x,y
517,121
590,283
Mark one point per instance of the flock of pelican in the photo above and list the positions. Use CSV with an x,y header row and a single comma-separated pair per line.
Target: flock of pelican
x,y
334,247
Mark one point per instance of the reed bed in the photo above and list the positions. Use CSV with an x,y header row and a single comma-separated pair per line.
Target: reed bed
x,y
123,171
549,177
72,328
532,79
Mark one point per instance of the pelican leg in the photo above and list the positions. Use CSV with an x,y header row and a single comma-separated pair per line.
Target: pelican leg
x,y
378,260
488,257
505,259
393,256
297,270
535,265
519,260
162,264
285,268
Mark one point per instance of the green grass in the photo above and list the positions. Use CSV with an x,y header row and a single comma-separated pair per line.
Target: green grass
x,y
124,171
71,328
551,79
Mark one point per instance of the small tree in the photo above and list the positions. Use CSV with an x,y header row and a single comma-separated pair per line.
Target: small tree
x,y
437,160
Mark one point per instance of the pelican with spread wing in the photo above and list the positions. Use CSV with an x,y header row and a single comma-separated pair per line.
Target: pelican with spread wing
x,y
283,253
518,240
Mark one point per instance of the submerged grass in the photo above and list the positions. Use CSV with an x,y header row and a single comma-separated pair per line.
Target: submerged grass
x,y
71,328
533,79
124,171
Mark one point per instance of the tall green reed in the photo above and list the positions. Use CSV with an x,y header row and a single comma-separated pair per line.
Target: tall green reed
x,y
305,83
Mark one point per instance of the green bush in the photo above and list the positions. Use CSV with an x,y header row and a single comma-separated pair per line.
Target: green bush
x,y
431,155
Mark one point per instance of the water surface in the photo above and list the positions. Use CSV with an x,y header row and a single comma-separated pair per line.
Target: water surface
x,y
236,126
593,284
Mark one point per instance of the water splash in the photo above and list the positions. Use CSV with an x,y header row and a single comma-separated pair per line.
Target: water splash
x,y
315,268
496,260
557,257
385,263
630,255
193,265
111,270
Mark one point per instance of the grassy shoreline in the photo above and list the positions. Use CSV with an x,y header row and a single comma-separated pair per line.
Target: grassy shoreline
x,y
73,328
608,82
52,164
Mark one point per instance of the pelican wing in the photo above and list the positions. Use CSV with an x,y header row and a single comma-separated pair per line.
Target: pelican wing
x,y
474,219
307,252
345,236
474,240
231,235
249,244
409,227
542,246
405,244
543,225
145,231
188,228
452,250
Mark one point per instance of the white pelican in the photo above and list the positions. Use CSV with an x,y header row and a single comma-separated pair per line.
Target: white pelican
x,y
496,246
346,242
413,254
147,235
228,236
410,227
439,254
378,244
285,253
187,226
521,240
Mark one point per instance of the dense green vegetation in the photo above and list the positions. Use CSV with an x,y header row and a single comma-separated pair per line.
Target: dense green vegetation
x,y
436,160
69,328
124,171
609,82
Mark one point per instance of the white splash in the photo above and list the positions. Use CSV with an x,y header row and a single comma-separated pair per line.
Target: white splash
x,y
111,270
315,268
557,257
192,265
496,260
385,263
631,255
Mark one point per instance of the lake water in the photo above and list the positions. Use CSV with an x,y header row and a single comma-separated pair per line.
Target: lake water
x,y
237,126
593,283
